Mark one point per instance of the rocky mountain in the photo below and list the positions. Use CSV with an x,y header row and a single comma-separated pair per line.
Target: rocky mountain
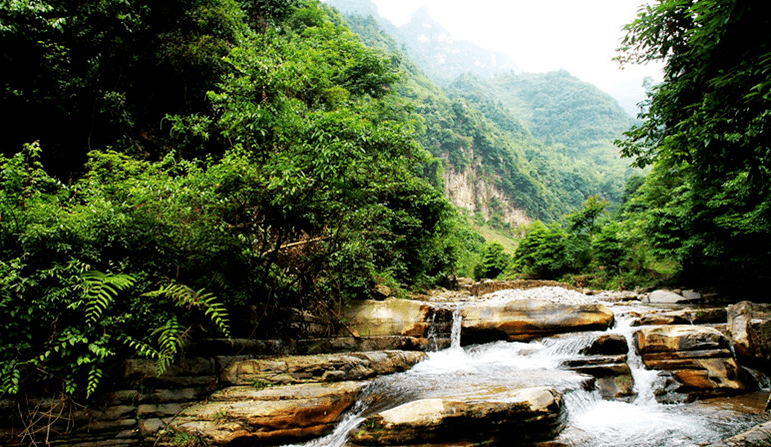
x,y
432,47
514,146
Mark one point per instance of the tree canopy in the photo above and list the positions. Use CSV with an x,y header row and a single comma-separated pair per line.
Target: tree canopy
x,y
172,167
706,134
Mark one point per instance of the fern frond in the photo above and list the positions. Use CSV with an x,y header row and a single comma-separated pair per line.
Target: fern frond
x,y
170,341
183,295
100,290
139,347
94,376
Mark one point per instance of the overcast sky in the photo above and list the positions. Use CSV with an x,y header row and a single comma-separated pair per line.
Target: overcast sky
x,y
579,36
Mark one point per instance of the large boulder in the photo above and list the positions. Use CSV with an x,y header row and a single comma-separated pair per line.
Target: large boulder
x,y
390,317
524,320
527,415
696,359
319,368
749,326
268,416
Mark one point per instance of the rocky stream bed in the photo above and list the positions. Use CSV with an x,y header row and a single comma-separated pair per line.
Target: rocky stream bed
x,y
493,364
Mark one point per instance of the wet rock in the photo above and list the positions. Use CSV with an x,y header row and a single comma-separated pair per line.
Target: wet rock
x,y
604,357
606,344
749,326
523,320
271,416
696,360
319,368
757,436
527,415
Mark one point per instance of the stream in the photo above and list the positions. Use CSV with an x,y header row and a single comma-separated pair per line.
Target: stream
x,y
591,421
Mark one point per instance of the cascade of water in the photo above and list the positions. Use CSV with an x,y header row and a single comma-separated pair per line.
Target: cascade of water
x,y
466,372
457,321
433,343
645,381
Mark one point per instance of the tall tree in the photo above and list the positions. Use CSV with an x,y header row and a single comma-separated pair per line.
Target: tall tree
x,y
706,133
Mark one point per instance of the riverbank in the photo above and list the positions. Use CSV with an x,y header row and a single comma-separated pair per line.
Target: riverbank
x,y
254,392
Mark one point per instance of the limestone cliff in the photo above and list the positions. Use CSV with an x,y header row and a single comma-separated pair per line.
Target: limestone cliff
x,y
476,192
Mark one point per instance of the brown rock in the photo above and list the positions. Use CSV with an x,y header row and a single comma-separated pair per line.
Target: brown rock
x,y
319,368
390,317
679,338
273,415
695,358
749,326
523,320
607,344
529,414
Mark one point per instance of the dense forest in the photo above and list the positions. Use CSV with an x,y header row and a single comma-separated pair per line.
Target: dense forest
x,y
168,166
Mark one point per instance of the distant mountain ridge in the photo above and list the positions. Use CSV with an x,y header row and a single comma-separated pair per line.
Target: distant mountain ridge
x,y
432,47
514,147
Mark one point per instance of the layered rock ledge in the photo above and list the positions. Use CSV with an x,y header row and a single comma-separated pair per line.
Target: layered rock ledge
x,y
524,320
527,415
269,416
696,360
318,368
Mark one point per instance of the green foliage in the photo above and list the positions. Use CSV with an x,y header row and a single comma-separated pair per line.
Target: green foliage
x,y
543,252
494,262
705,133
73,288
295,180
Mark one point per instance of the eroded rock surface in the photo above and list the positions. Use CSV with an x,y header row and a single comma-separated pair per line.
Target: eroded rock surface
x,y
271,416
524,415
749,325
524,320
319,368
696,359
605,358
390,317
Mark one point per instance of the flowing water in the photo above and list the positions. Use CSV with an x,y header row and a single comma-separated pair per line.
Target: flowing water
x,y
592,422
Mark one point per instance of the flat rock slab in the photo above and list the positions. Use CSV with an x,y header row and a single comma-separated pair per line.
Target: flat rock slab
x,y
712,315
530,414
672,338
319,368
272,416
524,320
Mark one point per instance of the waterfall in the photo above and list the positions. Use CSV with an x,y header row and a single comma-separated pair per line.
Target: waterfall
x,y
457,321
471,371
645,381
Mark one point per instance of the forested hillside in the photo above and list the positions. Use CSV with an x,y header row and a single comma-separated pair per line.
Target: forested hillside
x,y
543,141
575,123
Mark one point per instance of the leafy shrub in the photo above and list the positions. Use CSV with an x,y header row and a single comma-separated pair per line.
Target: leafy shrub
x,y
494,261
543,252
